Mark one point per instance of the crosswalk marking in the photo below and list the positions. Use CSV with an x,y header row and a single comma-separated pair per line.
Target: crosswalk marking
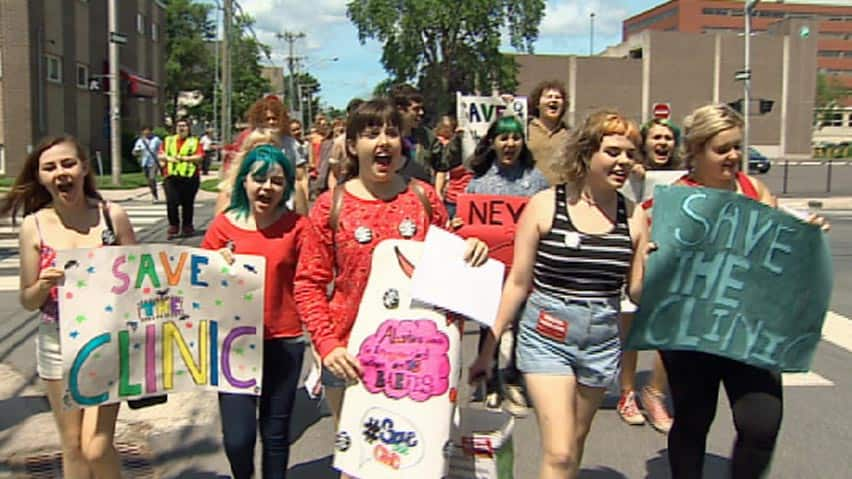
x,y
804,379
141,217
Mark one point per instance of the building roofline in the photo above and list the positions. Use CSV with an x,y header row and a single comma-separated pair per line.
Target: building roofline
x,y
658,7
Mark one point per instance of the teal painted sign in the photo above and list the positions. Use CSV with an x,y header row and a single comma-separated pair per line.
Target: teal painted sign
x,y
733,277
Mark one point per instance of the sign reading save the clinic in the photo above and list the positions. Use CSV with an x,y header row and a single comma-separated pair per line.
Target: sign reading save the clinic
x,y
733,277
140,321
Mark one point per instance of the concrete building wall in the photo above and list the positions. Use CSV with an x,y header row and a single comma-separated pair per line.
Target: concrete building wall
x,y
602,82
17,83
689,70
681,72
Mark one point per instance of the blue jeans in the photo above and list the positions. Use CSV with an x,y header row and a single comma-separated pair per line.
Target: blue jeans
x,y
282,360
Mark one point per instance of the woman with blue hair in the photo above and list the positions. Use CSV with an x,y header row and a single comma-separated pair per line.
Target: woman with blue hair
x,y
258,222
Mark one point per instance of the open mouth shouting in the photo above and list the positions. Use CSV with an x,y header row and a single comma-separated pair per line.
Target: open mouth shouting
x,y
382,161
661,154
618,175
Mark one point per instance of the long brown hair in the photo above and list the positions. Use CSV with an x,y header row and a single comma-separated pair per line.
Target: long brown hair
x,y
28,194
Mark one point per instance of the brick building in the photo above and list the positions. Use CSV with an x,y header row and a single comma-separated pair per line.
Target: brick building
x,y
51,52
832,24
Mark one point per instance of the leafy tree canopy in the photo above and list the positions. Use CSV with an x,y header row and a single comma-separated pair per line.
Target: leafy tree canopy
x,y
448,46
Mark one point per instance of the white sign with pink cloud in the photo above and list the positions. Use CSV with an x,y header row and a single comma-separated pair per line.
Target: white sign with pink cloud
x,y
396,421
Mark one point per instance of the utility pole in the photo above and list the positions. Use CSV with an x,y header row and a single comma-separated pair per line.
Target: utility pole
x,y
591,33
216,46
226,72
114,94
290,38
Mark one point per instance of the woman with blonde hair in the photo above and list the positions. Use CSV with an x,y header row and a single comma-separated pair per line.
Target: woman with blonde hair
x,y
574,248
712,150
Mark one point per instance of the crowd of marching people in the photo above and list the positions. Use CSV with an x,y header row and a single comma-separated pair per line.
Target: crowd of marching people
x,y
316,201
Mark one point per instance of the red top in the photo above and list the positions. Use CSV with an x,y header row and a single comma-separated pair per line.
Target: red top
x,y
280,243
330,321
746,186
459,178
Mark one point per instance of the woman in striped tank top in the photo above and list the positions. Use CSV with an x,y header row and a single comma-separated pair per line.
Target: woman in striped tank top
x,y
574,249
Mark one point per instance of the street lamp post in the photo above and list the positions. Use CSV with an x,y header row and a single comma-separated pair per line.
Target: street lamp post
x,y
749,8
591,33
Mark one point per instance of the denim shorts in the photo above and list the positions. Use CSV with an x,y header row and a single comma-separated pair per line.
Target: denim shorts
x,y
576,337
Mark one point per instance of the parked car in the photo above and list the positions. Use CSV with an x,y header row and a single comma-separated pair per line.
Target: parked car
x,y
757,161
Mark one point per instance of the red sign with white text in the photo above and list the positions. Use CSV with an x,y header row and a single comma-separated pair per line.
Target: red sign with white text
x,y
493,219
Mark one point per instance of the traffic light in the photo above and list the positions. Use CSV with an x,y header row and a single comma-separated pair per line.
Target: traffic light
x,y
765,106
737,105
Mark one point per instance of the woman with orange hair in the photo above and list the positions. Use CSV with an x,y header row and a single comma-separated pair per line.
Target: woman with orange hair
x,y
270,112
574,248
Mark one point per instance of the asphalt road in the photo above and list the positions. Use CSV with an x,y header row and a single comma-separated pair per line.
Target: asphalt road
x,y
814,443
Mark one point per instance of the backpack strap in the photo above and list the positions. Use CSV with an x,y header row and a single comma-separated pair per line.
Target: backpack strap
x,y
336,206
421,195
108,237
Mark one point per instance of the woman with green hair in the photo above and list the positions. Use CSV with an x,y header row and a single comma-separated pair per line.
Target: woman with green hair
x,y
258,222
503,165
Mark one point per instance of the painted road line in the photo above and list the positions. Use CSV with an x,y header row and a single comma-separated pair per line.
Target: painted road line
x,y
804,379
10,262
837,330
9,283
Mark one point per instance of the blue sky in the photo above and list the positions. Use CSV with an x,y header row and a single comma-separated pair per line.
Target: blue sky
x,y
329,34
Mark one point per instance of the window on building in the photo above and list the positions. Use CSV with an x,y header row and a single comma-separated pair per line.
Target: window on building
x,y
832,118
140,24
155,32
54,68
1,63
82,76
2,159
830,53
715,11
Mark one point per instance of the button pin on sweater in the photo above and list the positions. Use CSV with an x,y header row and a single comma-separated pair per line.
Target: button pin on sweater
x,y
407,228
363,234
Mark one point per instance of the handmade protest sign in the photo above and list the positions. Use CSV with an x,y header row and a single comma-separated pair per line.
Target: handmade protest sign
x,y
493,219
638,189
476,113
140,321
395,422
733,277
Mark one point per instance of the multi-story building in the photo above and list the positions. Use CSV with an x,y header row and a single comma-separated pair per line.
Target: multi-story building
x,y
53,67
833,22
687,70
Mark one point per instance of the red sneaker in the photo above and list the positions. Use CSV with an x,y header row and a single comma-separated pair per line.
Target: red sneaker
x,y
628,410
172,232
654,403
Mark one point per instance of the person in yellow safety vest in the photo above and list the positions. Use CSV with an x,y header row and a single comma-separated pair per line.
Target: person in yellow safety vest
x,y
180,157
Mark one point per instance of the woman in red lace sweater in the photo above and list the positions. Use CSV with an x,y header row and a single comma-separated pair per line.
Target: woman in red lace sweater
x,y
347,224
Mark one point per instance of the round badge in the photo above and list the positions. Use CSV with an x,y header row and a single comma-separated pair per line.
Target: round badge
x,y
391,299
342,442
572,239
363,234
407,228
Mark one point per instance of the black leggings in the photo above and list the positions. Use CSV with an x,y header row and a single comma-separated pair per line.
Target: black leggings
x,y
180,192
756,401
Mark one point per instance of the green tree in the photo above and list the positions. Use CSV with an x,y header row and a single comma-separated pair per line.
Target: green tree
x,y
829,92
189,63
246,54
448,46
